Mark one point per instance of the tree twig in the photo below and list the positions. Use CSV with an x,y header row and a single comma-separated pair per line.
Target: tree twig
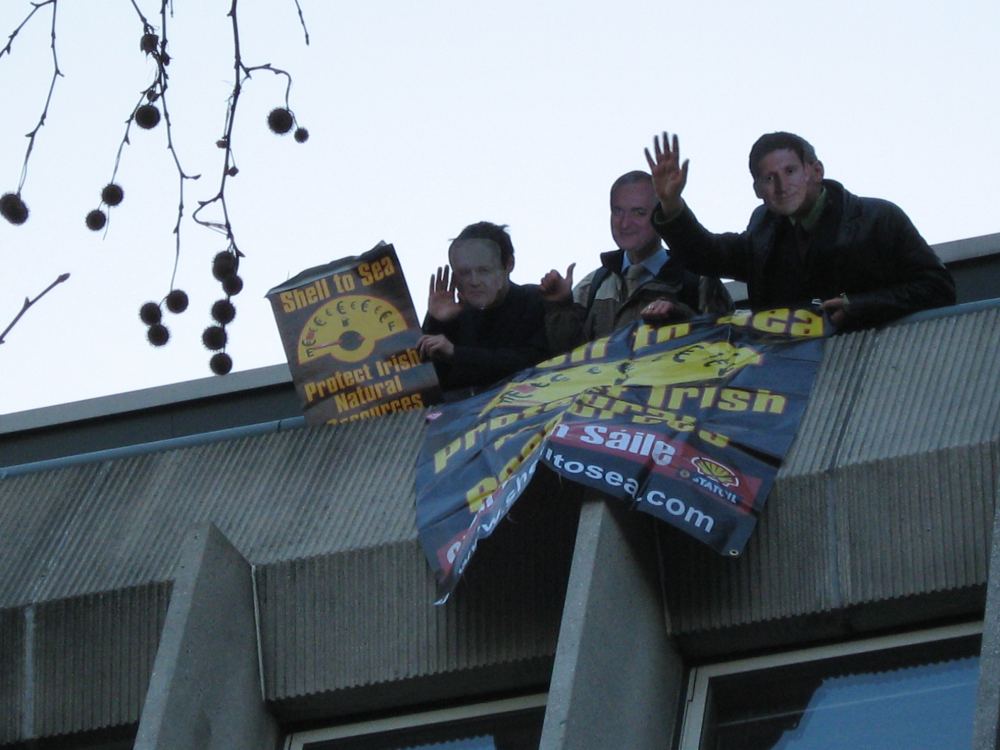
x,y
48,99
29,302
302,20
35,7
241,74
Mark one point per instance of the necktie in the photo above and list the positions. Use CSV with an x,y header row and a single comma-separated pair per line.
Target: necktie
x,y
633,278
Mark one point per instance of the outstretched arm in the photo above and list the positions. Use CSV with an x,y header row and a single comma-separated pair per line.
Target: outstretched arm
x,y
669,174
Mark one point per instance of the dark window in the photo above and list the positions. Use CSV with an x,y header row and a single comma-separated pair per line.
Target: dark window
x,y
507,730
920,695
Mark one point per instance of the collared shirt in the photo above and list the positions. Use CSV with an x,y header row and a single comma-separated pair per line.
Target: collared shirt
x,y
652,264
810,219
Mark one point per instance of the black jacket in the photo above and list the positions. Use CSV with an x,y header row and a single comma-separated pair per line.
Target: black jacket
x,y
866,248
494,343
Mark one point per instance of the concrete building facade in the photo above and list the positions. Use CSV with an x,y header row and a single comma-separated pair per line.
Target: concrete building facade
x,y
192,567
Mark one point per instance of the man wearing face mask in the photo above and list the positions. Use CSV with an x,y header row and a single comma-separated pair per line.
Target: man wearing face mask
x,y
494,327
638,280
811,239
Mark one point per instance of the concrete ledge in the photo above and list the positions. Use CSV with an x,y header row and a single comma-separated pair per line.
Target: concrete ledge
x,y
205,691
613,641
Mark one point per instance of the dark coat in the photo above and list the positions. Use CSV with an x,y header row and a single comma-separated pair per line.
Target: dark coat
x,y
866,248
492,344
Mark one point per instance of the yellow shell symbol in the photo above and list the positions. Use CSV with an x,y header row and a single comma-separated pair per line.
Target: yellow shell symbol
x,y
348,328
714,470
690,364
549,387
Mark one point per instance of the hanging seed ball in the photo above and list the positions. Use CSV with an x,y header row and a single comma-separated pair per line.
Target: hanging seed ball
x,y
150,313
12,208
223,311
214,337
221,363
112,194
301,135
280,120
158,334
177,301
96,220
147,116
232,285
148,43
224,265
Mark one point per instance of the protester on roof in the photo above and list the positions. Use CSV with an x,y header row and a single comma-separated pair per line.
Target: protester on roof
x,y
480,326
639,279
861,258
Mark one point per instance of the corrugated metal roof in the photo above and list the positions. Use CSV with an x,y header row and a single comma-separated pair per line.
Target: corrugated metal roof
x,y
888,492
12,689
325,515
278,496
93,656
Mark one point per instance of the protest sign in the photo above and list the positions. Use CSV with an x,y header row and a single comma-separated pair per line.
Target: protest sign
x,y
687,422
350,333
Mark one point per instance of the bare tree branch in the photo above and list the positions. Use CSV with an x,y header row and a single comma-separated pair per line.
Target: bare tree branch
x,y
156,45
48,99
302,20
35,7
241,74
29,302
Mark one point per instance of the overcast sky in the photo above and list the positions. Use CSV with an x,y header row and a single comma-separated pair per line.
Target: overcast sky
x,y
425,117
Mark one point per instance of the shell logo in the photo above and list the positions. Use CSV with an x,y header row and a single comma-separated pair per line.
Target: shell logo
x,y
701,361
715,471
348,328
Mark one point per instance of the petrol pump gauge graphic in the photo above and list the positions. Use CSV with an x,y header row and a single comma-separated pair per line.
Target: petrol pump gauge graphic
x,y
348,328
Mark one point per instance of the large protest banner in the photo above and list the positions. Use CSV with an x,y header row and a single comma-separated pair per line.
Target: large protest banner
x,y
687,422
350,333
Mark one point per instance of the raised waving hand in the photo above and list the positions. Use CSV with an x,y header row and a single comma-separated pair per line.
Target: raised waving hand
x,y
669,173
442,304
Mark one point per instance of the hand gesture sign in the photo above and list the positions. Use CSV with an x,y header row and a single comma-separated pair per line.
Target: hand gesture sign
x,y
555,288
441,302
669,174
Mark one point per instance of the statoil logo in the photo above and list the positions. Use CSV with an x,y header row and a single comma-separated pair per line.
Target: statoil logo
x,y
715,471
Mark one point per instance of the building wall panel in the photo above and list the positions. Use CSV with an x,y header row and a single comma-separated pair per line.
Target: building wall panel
x,y
92,658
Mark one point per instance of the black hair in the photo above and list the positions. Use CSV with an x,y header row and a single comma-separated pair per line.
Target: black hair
x,y
770,142
497,233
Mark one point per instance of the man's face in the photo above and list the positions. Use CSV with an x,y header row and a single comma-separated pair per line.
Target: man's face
x,y
631,228
786,185
481,279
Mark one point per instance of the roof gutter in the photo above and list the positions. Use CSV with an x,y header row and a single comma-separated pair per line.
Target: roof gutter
x,y
125,451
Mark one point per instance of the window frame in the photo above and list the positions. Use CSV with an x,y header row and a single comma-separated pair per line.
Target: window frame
x,y
302,740
700,678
